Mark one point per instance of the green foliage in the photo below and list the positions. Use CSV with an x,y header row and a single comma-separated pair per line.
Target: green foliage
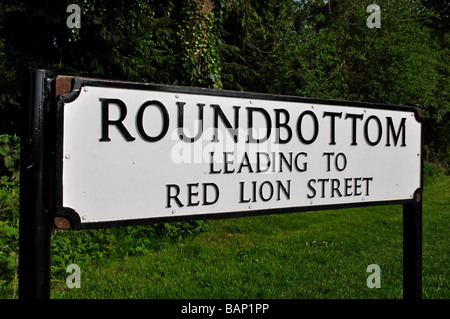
x,y
9,213
308,48
10,155
326,50
201,61
9,236
90,246
432,173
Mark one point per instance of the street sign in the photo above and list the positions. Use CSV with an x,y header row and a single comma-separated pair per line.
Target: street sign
x,y
99,153
131,153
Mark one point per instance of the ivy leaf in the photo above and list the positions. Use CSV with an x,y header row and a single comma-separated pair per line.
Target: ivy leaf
x,y
9,162
4,150
9,231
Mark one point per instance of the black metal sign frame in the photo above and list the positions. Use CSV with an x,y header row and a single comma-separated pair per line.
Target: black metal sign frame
x,y
41,208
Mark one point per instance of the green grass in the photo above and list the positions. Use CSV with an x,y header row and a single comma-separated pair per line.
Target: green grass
x,y
436,240
312,255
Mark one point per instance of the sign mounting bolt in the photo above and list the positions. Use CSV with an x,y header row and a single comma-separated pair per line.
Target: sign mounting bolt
x,y
67,156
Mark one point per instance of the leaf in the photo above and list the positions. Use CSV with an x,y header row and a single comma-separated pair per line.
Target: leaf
x,y
9,231
4,150
9,162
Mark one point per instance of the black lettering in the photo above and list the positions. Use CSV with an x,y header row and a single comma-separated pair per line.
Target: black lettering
x,y
357,186
323,181
367,179
258,162
241,193
211,164
245,163
305,165
241,189
354,117
391,129
366,130
106,122
344,164
218,113
328,155
287,192
348,186
140,121
279,125
261,193
311,188
226,161
254,191
335,188
285,160
299,127
181,134
251,138
191,194
170,196
332,116
205,192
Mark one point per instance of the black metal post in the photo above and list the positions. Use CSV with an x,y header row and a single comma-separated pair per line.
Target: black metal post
x,y
34,227
412,248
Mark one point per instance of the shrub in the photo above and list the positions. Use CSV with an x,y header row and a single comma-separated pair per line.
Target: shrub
x,y
9,214
9,235
432,172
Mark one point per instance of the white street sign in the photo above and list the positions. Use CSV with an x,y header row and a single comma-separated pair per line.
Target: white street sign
x,y
138,153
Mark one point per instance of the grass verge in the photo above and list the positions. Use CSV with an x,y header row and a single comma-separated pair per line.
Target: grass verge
x,y
312,255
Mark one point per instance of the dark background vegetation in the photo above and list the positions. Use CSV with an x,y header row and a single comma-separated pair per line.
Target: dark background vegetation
x,y
308,48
